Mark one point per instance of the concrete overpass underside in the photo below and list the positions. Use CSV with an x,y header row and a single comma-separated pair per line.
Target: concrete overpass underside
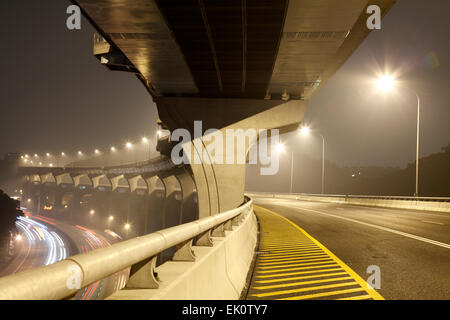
x,y
235,63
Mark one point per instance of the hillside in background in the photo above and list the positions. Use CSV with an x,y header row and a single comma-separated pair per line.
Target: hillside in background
x,y
434,177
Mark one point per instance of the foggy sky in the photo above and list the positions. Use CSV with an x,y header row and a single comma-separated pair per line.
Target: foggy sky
x,y
55,96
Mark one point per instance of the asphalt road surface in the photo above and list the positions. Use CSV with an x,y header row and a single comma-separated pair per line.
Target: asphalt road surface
x,y
411,248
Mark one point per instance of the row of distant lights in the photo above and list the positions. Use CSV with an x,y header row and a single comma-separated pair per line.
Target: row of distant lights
x,y
26,158
126,226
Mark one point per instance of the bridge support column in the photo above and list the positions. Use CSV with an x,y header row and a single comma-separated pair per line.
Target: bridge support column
x,y
220,187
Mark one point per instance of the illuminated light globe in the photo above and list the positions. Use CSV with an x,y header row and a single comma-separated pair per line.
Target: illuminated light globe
x,y
385,83
304,130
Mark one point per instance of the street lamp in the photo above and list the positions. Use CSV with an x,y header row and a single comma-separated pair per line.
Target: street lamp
x,y
386,83
306,131
127,228
146,141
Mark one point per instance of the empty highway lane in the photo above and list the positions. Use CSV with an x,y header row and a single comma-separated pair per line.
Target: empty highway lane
x,y
411,248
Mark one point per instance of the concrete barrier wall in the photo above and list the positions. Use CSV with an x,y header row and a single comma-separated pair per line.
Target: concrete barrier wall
x,y
439,206
219,272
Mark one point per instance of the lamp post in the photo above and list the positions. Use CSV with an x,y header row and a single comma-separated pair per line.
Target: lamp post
x,y
306,131
386,83
147,142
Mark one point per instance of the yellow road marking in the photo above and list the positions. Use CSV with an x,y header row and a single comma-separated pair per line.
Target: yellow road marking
x,y
324,294
288,256
308,241
297,273
298,251
287,250
363,297
294,284
329,286
303,277
314,258
323,265
311,262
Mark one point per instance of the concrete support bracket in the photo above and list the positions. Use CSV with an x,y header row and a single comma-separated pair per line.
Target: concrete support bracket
x,y
218,231
227,226
236,221
143,275
184,252
204,240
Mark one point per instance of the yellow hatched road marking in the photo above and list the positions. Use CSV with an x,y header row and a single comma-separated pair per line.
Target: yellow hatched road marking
x,y
301,278
275,251
328,286
324,294
309,247
297,273
311,262
294,284
283,243
290,258
292,252
322,265
312,258
366,296
372,292
290,255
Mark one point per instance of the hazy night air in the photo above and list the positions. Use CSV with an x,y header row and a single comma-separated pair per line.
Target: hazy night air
x,y
195,153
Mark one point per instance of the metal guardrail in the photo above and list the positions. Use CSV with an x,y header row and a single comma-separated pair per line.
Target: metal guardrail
x,y
64,278
407,198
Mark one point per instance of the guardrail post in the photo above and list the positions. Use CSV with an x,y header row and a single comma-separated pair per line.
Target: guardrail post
x,y
204,239
228,226
236,221
218,231
143,275
184,252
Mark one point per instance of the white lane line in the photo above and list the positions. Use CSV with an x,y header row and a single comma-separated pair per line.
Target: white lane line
x,y
432,222
408,235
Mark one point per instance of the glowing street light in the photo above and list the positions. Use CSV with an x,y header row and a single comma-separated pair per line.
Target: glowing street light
x,y
80,153
63,154
111,218
113,149
35,155
51,164
147,141
97,151
92,212
305,130
280,147
386,83
128,145
159,133
48,154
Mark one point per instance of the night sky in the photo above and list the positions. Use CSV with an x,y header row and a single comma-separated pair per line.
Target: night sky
x,y
55,96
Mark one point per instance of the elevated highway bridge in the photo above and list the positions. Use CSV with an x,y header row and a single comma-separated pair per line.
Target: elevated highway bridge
x,y
235,64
